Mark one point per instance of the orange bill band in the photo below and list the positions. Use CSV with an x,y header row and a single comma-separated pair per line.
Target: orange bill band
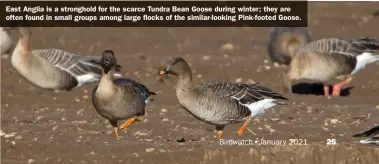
x,y
162,72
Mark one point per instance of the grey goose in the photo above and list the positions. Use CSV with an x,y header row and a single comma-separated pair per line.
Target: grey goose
x,y
329,60
5,40
54,68
221,103
120,98
371,134
284,42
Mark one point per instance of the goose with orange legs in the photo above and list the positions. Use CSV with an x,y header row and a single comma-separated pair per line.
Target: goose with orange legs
x,y
221,103
329,60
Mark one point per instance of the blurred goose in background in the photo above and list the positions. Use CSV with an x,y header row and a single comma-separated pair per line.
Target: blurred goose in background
x,y
376,13
54,68
284,42
221,103
119,99
372,134
332,59
5,40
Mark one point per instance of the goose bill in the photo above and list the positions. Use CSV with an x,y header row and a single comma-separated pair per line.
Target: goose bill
x,y
162,72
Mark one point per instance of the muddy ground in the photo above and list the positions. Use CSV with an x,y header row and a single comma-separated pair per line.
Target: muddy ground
x,y
60,127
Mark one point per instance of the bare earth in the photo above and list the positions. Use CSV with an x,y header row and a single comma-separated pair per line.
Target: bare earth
x,y
60,127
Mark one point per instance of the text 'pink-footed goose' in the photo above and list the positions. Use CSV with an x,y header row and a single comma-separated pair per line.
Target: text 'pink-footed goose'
x,y
54,68
332,59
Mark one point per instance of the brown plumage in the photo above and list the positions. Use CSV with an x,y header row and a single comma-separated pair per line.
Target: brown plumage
x,y
121,98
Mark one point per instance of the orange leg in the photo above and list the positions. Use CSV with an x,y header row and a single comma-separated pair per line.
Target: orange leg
x,y
242,129
326,90
337,87
219,133
116,133
128,122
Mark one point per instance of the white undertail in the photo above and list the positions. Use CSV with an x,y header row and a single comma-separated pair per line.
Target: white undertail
x,y
260,107
87,78
369,141
364,59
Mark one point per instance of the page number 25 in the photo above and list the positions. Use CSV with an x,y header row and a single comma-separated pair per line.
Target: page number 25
x,y
331,141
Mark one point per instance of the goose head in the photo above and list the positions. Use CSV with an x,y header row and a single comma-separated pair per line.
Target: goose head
x,y
177,66
108,61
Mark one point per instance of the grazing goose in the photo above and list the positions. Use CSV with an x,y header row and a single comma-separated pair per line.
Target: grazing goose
x,y
54,68
327,60
221,103
373,135
284,42
5,41
118,99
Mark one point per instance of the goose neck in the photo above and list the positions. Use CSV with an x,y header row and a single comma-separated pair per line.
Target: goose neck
x,y
184,81
24,40
106,86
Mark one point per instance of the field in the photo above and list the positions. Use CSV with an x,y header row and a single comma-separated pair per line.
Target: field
x,y
60,127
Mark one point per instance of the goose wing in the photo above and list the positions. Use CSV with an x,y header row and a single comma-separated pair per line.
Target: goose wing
x,y
366,43
136,87
337,47
244,93
71,63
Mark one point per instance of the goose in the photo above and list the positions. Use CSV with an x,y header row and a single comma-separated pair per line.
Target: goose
x,y
284,42
5,41
221,103
54,68
329,60
373,135
121,98
376,13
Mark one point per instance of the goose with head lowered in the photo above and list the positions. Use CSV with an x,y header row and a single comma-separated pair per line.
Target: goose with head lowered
x,y
284,42
120,98
328,60
221,103
54,68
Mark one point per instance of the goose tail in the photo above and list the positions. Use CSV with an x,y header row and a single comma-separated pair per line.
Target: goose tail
x,y
152,93
284,42
368,133
280,102
368,43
